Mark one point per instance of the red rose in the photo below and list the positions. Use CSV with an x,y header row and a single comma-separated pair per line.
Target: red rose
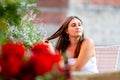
x,y
15,49
43,58
56,57
11,59
42,47
43,63
10,66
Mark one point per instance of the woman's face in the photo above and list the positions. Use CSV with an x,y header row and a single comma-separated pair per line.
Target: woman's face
x,y
75,28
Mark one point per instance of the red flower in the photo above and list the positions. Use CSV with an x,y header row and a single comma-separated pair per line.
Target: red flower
x,y
11,66
15,49
43,63
11,59
43,58
42,47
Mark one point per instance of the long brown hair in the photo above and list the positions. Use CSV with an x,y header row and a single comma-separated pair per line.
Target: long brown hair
x,y
63,40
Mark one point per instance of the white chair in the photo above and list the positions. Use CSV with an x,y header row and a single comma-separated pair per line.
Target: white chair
x,y
107,57
118,61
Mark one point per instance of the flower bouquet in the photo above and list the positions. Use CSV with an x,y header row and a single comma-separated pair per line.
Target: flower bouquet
x,y
41,64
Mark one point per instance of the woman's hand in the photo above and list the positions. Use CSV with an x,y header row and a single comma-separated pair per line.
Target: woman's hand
x,y
50,47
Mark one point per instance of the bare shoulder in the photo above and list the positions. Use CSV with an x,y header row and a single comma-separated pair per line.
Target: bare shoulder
x,y
88,46
88,41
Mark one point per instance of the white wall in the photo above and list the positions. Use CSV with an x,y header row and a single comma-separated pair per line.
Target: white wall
x,y
100,23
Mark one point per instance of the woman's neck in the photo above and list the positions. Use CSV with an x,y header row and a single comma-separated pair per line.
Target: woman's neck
x,y
74,41
71,48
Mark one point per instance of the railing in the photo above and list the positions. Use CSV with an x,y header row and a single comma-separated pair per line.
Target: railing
x,y
115,75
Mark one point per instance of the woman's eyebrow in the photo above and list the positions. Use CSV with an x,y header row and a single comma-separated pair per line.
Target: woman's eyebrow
x,y
80,23
75,23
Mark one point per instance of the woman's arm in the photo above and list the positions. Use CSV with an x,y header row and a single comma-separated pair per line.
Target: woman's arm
x,y
87,51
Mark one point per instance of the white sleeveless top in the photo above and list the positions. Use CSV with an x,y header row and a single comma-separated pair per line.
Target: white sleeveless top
x,y
90,67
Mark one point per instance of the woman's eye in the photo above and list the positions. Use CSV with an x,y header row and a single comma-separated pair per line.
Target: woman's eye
x,y
73,25
79,24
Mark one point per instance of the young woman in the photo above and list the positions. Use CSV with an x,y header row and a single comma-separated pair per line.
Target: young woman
x,y
80,51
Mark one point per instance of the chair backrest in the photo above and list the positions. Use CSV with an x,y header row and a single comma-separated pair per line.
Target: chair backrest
x,y
106,57
118,61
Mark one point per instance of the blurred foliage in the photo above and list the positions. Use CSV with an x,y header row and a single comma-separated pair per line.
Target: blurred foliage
x,y
11,11
11,14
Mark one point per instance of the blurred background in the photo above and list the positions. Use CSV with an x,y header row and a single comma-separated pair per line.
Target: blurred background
x,y
101,18
101,22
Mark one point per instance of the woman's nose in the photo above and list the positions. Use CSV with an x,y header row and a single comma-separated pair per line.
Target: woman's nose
x,y
78,26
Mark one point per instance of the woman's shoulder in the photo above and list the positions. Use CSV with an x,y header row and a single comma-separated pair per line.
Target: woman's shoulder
x,y
88,41
88,45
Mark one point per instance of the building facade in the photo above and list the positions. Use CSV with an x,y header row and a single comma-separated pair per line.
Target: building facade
x,y
101,19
